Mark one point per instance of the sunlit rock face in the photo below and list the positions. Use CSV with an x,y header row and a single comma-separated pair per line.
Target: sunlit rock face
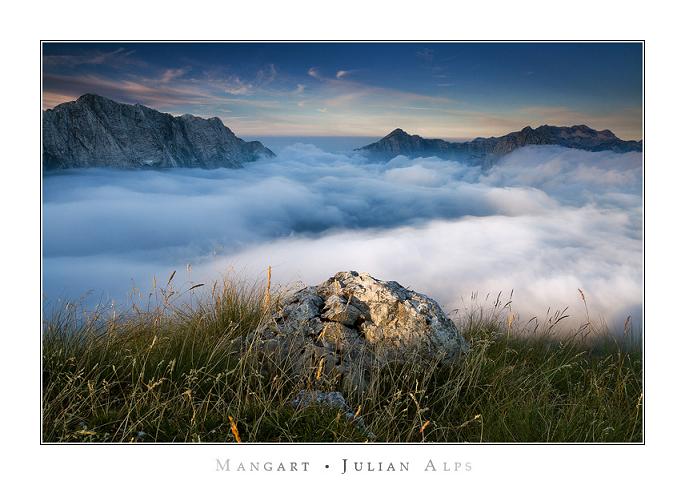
x,y
94,131
352,320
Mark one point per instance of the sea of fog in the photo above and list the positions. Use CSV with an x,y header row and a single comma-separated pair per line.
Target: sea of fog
x,y
544,222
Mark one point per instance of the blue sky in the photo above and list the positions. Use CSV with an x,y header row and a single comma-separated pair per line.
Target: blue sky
x,y
447,90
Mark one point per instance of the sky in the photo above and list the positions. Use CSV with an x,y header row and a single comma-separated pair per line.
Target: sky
x,y
445,90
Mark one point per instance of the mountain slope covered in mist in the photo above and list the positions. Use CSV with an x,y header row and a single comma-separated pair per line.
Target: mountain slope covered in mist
x,y
487,150
94,131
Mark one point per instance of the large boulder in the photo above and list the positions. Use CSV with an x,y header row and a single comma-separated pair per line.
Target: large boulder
x,y
352,321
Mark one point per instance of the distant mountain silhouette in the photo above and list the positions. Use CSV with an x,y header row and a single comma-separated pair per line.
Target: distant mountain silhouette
x,y
487,150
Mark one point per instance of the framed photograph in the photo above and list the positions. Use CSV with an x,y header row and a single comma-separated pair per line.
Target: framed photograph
x,y
342,242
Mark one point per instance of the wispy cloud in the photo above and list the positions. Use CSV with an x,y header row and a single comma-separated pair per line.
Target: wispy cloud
x,y
170,74
266,75
112,58
314,72
340,91
169,89
625,123
141,90
267,98
426,54
259,103
51,99
236,86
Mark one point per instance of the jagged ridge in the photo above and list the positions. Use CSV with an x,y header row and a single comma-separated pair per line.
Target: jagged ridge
x,y
487,150
94,131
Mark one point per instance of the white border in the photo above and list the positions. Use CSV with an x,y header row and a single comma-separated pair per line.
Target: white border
x,y
26,24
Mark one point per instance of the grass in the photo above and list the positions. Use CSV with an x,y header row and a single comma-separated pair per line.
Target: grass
x,y
192,372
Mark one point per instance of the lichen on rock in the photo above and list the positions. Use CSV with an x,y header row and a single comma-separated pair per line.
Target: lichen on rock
x,y
352,320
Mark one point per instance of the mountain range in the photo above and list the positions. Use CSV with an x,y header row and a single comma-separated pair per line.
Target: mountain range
x,y
485,151
94,131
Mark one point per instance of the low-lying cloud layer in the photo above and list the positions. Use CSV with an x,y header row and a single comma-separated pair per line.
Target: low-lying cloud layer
x,y
544,222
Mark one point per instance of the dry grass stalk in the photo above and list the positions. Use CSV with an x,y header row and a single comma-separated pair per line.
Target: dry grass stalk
x,y
174,373
267,295
234,429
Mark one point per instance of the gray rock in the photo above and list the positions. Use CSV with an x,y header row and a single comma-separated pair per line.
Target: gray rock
x,y
333,399
94,131
353,321
485,151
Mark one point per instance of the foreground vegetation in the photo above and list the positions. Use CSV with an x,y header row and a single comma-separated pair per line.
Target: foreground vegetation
x,y
191,371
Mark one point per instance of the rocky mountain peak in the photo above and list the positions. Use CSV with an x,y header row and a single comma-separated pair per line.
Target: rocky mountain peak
x,y
485,151
90,97
95,131
397,132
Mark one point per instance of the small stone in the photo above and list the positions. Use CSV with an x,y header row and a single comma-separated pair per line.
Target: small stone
x,y
332,399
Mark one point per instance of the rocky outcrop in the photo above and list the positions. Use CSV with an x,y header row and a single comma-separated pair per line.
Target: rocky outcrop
x,y
94,131
485,151
352,321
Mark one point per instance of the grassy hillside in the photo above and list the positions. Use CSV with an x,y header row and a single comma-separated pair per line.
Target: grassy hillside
x,y
192,372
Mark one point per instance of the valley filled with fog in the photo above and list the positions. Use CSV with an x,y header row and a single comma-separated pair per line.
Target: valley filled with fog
x,y
543,222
